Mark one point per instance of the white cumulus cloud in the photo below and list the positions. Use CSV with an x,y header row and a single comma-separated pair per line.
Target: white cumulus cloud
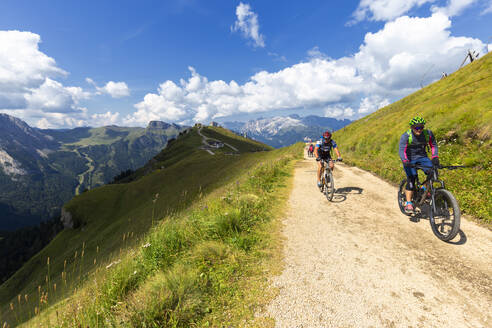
x,y
114,89
108,118
386,67
52,96
29,89
387,10
397,63
339,111
197,99
454,7
22,67
372,103
247,24
384,10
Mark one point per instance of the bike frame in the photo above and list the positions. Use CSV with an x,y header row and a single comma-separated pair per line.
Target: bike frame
x,y
325,163
432,178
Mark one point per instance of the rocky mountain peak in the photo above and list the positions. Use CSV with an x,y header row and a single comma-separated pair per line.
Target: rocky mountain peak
x,y
14,129
158,125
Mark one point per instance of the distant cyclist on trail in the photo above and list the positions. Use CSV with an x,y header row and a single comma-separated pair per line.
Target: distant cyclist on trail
x,y
412,150
311,150
323,151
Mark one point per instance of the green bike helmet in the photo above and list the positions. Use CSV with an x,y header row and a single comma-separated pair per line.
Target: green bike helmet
x,y
416,120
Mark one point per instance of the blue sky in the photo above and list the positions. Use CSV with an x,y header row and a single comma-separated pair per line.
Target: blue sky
x,y
73,63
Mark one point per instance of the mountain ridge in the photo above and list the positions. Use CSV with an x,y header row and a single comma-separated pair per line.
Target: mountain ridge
x,y
42,169
280,131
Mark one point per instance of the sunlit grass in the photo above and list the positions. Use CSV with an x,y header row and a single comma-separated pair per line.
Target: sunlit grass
x,y
193,268
94,267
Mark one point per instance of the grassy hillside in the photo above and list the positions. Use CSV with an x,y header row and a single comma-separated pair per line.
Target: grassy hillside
x,y
458,109
234,140
193,253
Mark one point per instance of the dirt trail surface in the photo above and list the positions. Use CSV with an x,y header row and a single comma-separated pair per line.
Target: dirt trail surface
x,y
359,262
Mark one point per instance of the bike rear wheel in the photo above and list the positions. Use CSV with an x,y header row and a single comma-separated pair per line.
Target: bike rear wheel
x,y
329,189
445,215
402,199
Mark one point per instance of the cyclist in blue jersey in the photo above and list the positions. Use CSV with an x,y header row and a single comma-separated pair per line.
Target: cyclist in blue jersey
x,y
412,150
323,151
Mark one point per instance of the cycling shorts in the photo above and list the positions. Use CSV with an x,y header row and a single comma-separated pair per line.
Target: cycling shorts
x,y
412,172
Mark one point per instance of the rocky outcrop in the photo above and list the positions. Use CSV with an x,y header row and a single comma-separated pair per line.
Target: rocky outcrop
x,y
66,219
9,165
158,125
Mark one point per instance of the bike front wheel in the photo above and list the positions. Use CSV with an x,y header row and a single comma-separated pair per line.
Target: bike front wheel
x,y
445,215
329,189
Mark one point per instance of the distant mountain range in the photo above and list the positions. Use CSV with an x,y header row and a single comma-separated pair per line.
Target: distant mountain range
x,y
282,131
42,169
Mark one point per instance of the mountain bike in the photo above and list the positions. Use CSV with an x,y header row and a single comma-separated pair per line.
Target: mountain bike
x,y
438,203
327,181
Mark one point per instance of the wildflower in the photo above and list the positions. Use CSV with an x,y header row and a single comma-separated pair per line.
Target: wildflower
x,y
146,245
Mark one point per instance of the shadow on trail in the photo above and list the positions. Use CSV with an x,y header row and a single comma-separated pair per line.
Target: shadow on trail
x,y
340,194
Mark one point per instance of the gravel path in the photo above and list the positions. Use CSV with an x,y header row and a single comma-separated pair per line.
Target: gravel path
x,y
358,262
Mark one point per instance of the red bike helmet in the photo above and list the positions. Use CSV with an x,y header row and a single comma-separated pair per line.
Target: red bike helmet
x,y
327,135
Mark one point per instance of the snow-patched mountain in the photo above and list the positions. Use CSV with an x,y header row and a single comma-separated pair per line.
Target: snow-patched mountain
x,y
282,131
271,126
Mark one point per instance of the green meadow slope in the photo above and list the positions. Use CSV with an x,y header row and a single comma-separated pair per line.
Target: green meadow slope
x,y
200,217
458,109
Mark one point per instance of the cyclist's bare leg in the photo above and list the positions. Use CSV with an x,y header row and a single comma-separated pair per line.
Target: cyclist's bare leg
x,y
332,165
408,195
320,169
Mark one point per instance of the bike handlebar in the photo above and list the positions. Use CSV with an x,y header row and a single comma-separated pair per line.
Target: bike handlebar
x,y
333,160
453,167
448,167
